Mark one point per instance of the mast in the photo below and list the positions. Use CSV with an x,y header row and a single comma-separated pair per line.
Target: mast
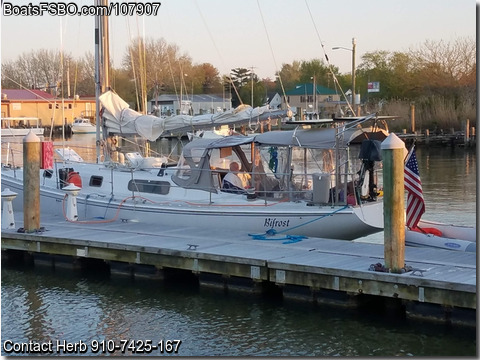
x,y
102,62
105,58
97,83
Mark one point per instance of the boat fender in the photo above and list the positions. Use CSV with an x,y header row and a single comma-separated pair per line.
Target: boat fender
x,y
428,230
74,178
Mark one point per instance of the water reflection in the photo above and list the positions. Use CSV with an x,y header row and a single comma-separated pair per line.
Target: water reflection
x,y
43,305
208,322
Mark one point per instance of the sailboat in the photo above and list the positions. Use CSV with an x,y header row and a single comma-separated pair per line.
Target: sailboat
x,y
299,183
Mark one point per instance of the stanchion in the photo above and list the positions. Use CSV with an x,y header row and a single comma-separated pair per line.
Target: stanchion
x,y
8,218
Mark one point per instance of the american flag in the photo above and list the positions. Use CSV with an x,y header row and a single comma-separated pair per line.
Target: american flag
x,y
413,185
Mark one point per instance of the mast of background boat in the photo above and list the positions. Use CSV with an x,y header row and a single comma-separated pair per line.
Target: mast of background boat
x,y
64,123
102,61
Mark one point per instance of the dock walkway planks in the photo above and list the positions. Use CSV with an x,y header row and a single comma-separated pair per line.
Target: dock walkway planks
x,y
441,277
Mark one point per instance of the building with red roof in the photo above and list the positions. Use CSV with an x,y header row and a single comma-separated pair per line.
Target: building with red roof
x,y
40,104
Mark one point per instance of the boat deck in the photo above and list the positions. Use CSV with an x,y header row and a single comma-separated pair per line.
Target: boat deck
x,y
442,277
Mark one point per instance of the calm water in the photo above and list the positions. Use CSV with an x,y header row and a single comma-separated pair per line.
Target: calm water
x,y
39,304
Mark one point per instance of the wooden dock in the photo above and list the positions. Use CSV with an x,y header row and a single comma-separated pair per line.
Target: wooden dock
x,y
313,269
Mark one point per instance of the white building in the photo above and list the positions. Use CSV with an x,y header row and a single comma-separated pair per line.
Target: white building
x,y
168,104
274,100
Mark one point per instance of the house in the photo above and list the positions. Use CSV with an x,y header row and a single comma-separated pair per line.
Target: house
x,y
274,100
50,110
169,104
323,102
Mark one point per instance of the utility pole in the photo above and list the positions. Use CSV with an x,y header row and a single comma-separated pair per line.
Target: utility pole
x,y
315,106
354,44
251,76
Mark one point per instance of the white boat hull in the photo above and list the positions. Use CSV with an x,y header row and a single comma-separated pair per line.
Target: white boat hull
x,y
86,129
453,237
219,212
21,126
20,132
79,130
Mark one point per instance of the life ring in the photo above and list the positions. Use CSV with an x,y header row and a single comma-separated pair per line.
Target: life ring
x,y
428,230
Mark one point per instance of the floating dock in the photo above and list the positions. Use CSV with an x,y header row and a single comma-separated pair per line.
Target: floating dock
x,y
438,284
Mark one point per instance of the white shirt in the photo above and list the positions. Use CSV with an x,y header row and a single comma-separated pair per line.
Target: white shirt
x,y
234,180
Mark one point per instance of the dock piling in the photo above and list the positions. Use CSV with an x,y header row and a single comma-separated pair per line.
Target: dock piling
x,y
412,117
393,153
467,132
31,181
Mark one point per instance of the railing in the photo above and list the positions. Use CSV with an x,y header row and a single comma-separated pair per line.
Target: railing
x,y
315,188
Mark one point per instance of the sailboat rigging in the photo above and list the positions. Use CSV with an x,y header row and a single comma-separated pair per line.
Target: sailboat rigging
x,y
300,182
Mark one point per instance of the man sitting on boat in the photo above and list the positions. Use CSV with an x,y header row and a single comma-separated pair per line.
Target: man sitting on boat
x,y
234,181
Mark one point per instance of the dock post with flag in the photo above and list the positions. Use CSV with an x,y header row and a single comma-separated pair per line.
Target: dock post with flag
x,y
393,154
413,185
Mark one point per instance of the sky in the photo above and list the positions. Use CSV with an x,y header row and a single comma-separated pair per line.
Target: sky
x,y
258,34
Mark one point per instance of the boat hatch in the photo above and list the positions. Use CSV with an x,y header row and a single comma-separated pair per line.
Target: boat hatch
x,y
96,181
149,186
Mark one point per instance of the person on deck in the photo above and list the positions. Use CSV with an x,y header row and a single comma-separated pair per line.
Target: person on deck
x,y
232,182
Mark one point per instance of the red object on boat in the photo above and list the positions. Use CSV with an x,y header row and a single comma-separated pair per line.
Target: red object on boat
x,y
429,230
74,178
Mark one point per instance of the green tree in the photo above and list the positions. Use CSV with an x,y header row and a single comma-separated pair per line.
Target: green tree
x,y
375,67
258,92
239,78
206,79
300,72
317,68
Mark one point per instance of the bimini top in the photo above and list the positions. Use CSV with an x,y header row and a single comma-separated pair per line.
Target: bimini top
x,y
227,141
323,138
195,172
319,138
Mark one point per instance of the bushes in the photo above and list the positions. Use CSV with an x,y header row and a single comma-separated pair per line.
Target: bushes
x,y
433,112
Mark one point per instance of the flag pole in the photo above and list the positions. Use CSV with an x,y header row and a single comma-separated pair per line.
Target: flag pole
x,y
409,153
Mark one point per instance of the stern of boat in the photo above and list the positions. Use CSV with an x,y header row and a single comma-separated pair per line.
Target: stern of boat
x,y
371,214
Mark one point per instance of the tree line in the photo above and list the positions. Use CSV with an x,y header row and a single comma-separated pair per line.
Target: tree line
x,y
439,77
